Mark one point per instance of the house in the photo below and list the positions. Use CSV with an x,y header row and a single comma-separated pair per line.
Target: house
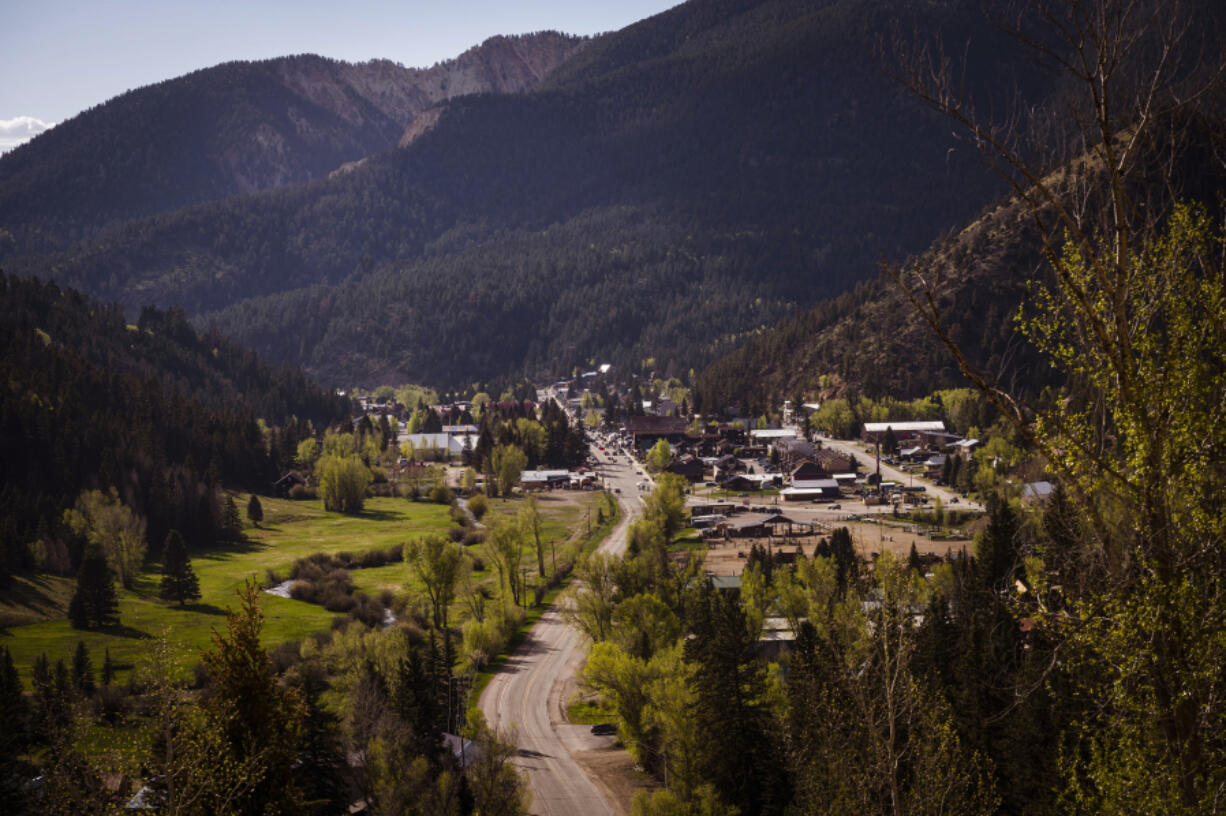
x,y
874,432
793,451
1037,492
281,487
689,467
933,466
742,483
726,467
964,448
808,472
834,462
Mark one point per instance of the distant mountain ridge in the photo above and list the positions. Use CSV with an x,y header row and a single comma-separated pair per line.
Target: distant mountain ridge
x,y
666,190
240,127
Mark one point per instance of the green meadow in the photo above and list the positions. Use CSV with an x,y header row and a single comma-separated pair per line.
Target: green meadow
x,y
291,530
33,613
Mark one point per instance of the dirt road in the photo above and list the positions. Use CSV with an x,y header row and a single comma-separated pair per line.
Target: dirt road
x,y
527,694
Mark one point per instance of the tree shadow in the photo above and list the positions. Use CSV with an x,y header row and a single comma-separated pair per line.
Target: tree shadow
x,y
377,515
34,594
119,630
204,609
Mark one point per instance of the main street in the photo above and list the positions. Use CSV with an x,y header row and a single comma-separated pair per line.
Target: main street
x,y
527,694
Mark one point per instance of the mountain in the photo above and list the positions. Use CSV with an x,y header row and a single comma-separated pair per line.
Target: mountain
x,y
873,342
154,410
236,128
667,190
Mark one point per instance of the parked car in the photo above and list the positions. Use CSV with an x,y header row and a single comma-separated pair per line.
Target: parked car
x,y
604,730
836,507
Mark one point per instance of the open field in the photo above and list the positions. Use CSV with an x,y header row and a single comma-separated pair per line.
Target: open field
x,y
290,531
729,557
33,616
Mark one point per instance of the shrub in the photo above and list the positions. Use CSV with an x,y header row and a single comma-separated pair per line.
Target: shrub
x,y
367,610
478,505
441,494
300,492
456,534
473,538
284,657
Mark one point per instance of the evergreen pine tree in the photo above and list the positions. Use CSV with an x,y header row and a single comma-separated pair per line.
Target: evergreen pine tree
x,y
844,554
94,603
231,524
179,582
14,736
255,511
913,560
82,670
108,669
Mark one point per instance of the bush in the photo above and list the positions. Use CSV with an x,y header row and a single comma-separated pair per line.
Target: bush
x,y
367,610
441,494
478,564
478,505
284,657
456,534
473,537
300,492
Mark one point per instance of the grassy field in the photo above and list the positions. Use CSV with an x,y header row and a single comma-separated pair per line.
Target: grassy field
x,y
290,531
33,616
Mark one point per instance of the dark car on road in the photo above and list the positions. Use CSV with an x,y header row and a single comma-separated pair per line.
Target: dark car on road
x,y
604,730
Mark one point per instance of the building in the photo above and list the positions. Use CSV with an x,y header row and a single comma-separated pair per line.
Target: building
x,y
874,432
1037,492
688,466
535,480
793,451
646,431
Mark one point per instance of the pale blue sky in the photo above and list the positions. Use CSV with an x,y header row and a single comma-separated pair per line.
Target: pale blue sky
x,y
59,57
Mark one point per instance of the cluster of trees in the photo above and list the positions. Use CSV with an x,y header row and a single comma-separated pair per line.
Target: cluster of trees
x,y
97,413
900,696
514,437
251,733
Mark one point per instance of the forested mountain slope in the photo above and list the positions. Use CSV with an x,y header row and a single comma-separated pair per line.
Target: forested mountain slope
x,y
695,176
872,340
239,127
154,410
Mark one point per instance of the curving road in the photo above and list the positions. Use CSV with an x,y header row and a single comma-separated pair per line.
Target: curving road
x,y
527,694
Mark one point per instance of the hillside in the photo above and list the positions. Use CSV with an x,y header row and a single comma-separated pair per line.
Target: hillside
x,y
872,341
236,128
154,410
690,178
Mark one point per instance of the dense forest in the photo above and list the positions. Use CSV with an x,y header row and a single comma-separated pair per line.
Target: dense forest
x,y
154,411
693,177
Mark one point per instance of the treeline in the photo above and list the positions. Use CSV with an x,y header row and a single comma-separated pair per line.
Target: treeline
x,y
154,412
734,162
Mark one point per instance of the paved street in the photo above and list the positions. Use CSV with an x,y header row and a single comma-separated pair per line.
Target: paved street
x,y
527,694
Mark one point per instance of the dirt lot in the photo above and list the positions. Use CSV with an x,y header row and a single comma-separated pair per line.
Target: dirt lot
x,y
613,771
728,557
